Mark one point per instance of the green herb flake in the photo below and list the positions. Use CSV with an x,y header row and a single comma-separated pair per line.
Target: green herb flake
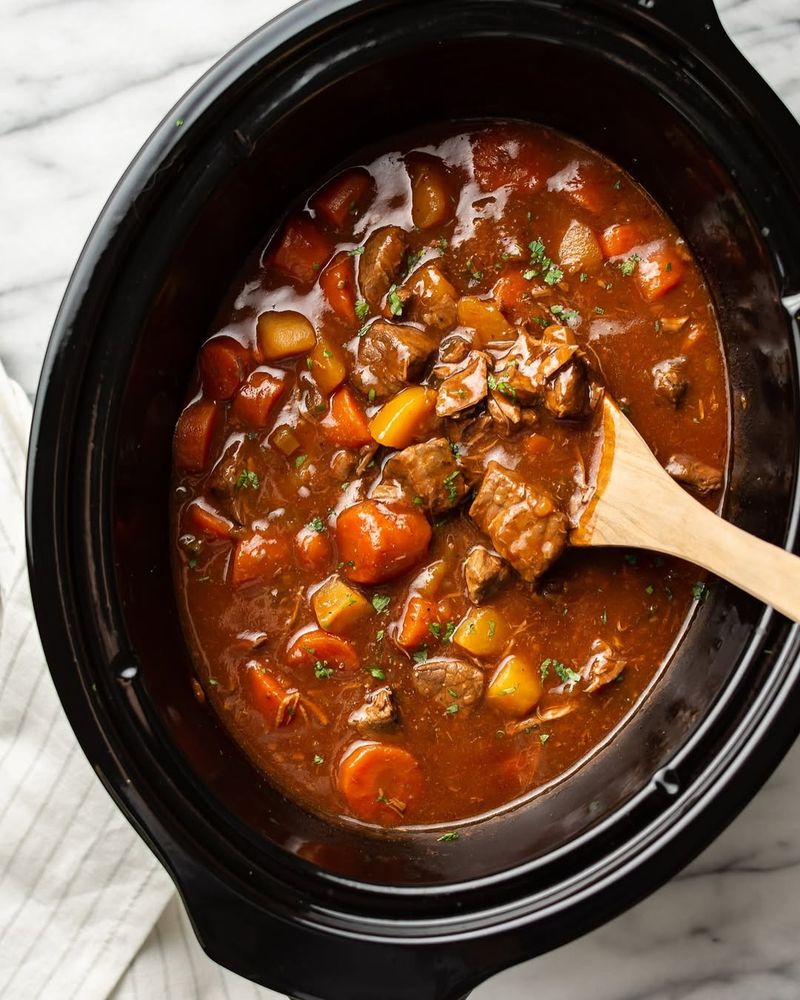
x,y
316,524
565,674
491,381
371,395
631,558
318,759
322,671
649,588
300,460
442,243
474,274
192,564
583,277
544,668
418,501
377,673
179,122
451,710
492,628
394,302
448,838
669,266
454,448
435,629
309,363
628,266
356,251
564,314
450,486
544,737
421,655
362,309
379,635
449,629
248,479
381,602
599,310
412,259
699,591
604,616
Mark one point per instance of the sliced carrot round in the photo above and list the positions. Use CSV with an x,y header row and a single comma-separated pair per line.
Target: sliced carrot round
x,y
380,782
223,365
324,649
338,284
194,435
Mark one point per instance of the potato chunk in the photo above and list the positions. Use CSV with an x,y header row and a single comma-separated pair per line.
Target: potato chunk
x,y
282,334
516,687
482,632
339,606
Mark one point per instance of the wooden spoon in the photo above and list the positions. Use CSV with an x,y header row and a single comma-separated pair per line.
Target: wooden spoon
x,y
633,502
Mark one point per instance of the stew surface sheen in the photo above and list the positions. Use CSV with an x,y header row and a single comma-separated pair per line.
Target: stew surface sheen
x,y
374,474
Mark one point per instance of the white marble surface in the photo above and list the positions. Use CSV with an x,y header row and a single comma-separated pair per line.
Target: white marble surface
x,y
82,83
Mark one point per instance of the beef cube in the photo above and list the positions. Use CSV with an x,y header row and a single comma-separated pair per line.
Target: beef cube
x,y
380,264
669,378
449,682
602,667
389,357
523,522
428,298
484,571
464,387
566,394
428,475
454,349
528,367
702,478
379,711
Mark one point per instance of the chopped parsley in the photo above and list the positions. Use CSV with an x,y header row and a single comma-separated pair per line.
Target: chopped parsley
x,y
316,524
300,460
449,629
394,302
544,737
474,275
362,308
699,591
448,838
451,710
631,558
248,479
599,310
356,251
450,486
583,276
309,363
565,674
628,266
178,122
377,673
318,759
492,628
442,243
563,313
412,259
371,395
649,588
421,655
322,671
435,629
542,265
381,602
379,635
454,448
418,501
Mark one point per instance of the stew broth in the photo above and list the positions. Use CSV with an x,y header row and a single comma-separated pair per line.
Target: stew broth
x,y
374,474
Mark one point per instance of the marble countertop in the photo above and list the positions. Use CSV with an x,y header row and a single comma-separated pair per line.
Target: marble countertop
x,y
84,82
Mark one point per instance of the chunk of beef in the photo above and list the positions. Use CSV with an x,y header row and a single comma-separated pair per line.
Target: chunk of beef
x,y
225,474
379,711
522,521
380,264
484,571
566,394
525,371
464,387
428,471
234,481
453,350
475,440
389,357
429,298
702,478
669,378
602,667
343,464
449,682
505,413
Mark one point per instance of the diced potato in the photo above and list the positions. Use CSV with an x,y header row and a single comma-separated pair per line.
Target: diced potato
x,y
282,334
579,249
398,422
338,606
516,686
430,195
428,581
485,319
327,366
482,632
284,439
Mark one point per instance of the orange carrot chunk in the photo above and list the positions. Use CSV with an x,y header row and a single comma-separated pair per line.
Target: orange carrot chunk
x,y
620,239
223,365
205,521
341,196
345,423
268,696
313,548
257,557
256,399
302,250
324,652
414,628
658,273
380,782
338,283
378,541
194,435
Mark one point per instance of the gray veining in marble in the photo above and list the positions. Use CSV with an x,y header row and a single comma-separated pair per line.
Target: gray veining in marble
x,y
83,82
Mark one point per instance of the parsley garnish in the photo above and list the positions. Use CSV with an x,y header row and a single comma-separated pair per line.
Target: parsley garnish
x,y
454,448
449,629
563,313
380,602
356,251
318,759
565,674
300,460
316,524
248,478
379,635
394,302
617,184
362,308
542,265
583,276
544,737
492,628
699,591
474,275
450,485
628,266
435,629
421,655
448,838
412,259
451,710
322,671
371,395
377,673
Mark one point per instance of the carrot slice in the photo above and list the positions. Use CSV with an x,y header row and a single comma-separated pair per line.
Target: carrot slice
x,y
203,519
256,399
345,423
378,541
258,556
313,548
620,239
268,696
512,293
329,651
194,435
379,781
658,273
338,282
341,196
302,251
414,630
223,365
